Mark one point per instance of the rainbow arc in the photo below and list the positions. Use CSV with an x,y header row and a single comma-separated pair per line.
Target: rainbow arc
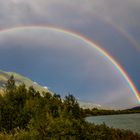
x,y
92,44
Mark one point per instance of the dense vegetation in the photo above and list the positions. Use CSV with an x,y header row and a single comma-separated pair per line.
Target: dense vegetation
x,y
25,114
98,112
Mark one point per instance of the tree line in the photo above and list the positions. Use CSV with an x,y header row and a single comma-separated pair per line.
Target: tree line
x,y
98,112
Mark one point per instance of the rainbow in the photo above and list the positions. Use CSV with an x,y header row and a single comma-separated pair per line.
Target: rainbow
x,y
92,44
121,31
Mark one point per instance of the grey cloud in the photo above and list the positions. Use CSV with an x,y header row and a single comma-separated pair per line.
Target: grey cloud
x,y
65,11
76,15
70,14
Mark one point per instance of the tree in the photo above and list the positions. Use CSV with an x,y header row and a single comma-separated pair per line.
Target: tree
x,y
10,85
71,106
31,92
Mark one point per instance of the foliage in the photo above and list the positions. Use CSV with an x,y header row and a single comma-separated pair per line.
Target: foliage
x,y
25,114
98,112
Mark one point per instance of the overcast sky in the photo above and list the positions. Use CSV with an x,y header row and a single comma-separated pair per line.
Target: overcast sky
x,y
114,25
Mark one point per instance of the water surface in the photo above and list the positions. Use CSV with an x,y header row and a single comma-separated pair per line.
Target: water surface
x,y
125,121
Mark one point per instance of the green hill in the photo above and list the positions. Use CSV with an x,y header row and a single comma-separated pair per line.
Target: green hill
x,y
19,79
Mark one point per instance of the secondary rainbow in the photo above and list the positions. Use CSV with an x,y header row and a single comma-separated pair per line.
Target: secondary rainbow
x,y
120,30
92,44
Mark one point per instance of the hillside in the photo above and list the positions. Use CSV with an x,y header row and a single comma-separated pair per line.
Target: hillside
x,y
135,108
19,79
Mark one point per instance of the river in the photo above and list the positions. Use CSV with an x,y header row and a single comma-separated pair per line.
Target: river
x,y
125,121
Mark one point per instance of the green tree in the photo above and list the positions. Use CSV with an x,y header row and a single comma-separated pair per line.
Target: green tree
x,y
10,85
72,106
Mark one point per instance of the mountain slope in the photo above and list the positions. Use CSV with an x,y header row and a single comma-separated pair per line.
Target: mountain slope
x,y
19,79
